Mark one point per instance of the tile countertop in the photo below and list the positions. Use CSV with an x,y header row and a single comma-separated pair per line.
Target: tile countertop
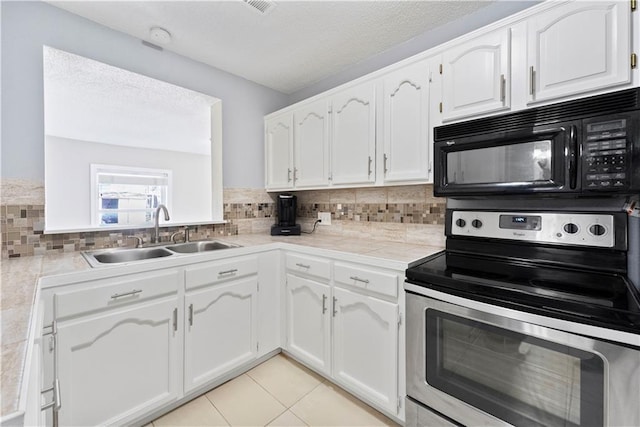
x,y
20,277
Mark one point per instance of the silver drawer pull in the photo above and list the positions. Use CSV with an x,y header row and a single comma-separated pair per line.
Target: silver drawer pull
x,y
303,265
357,279
126,294
235,270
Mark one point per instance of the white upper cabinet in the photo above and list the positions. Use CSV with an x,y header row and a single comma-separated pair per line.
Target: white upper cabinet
x,y
311,146
279,152
406,124
353,136
578,47
476,77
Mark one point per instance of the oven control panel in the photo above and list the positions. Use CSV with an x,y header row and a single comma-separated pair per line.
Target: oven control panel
x,y
563,228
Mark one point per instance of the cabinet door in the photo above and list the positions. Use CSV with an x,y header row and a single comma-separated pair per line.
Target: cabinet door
x,y
311,145
114,366
221,330
308,321
578,47
475,76
279,152
406,124
353,136
365,347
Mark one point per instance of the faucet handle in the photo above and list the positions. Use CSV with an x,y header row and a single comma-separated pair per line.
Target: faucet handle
x,y
139,241
173,236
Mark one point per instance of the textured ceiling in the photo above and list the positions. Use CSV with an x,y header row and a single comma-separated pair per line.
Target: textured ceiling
x,y
292,46
91,101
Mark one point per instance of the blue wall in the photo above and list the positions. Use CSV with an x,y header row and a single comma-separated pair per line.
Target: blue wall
x,y
27,26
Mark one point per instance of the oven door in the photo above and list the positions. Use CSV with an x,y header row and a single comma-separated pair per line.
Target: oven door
x,y
481,369
538,161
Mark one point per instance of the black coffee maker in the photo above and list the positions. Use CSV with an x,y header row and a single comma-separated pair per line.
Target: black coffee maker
x,y
286,224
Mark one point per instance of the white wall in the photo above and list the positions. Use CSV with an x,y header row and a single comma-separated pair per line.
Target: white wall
x,y
27,26
68,178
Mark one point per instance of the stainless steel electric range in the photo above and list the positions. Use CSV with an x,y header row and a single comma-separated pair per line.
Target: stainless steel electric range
x,y
528,318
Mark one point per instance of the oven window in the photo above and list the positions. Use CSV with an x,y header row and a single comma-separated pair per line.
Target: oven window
x,y
523,380
523,162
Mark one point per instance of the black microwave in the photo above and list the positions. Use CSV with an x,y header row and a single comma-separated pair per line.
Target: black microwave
x,y
585,147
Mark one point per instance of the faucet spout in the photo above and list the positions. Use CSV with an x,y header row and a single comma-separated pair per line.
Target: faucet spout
x,y
156,238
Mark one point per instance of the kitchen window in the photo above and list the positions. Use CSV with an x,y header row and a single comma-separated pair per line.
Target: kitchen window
x,y
122,195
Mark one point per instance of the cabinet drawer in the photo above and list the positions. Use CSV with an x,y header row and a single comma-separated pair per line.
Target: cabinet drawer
x,y
309,265
220,271
111,293
371,280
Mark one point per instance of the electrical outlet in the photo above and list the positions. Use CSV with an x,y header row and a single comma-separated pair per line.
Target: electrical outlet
x,y
325,217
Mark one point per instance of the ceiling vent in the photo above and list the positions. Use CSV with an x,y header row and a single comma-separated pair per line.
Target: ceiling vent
x,y
261,6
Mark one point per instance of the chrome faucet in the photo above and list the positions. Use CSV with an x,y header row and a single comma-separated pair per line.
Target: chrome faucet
x,y
156,238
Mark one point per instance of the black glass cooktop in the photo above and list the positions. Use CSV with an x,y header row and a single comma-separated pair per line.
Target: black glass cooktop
x,y
600,299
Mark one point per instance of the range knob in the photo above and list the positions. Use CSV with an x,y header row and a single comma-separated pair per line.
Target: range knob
x,y
476,223
461,222
571,228
597,230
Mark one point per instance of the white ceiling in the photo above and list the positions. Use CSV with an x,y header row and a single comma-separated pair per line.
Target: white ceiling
x,y
292,46
87,100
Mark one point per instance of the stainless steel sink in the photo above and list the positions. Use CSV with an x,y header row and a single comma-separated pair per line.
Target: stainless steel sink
x,y
193,247
100,258
118,256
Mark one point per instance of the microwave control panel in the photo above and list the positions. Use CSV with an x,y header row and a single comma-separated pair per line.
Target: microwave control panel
x,y
605,161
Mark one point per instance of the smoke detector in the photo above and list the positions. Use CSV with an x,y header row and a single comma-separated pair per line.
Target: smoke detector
x,y
261,6
159,35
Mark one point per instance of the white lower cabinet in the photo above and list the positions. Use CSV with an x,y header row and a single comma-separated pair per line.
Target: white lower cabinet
x,y
343,320
308,321
220,330
128,346
114,365
365,346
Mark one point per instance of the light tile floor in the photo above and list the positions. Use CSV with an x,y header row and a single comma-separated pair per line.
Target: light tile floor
x,y
279,392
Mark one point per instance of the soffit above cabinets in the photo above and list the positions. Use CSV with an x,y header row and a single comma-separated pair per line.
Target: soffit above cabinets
x,y
292,45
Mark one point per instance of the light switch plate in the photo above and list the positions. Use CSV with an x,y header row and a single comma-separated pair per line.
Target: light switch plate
x,y
325,217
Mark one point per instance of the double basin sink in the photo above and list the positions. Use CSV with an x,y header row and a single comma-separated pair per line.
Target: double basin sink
x,y
118,256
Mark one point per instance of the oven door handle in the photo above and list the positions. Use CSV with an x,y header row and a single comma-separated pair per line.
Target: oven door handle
x,y
573,147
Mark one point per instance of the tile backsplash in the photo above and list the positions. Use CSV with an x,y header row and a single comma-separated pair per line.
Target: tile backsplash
x,y
406,214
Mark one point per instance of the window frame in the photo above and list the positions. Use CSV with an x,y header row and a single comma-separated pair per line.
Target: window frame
x,y
96,210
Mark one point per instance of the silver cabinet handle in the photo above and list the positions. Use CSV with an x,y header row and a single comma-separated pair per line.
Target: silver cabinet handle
x,y
385,163
335,301
126,294
57,397
369,166
175,319
295,174
324,303
288,175
532,85
503,88
302,265
222,273
357,279
190,314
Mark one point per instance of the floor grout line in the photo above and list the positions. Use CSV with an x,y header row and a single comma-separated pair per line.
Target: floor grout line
x,y
216,408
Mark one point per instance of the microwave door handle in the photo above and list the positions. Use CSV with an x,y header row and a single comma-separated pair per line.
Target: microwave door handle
x,y
573,147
